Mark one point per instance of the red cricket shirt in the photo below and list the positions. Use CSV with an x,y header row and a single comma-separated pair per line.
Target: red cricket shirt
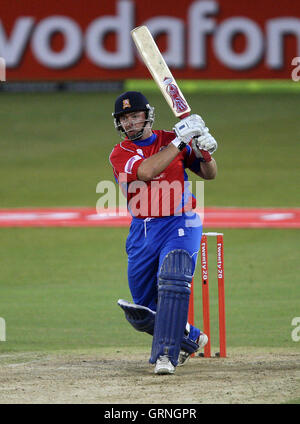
x,y
168,193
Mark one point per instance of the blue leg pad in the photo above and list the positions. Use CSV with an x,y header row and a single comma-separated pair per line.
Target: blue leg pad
x,y
140,317
174,284
189,345
143,319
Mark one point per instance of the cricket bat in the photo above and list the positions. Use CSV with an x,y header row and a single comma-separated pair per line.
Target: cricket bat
x,y
160,71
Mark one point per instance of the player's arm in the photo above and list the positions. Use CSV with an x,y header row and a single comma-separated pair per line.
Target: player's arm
x,y
157,163
208,170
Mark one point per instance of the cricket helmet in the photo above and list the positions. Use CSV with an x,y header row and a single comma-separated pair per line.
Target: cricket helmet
x,y
132,101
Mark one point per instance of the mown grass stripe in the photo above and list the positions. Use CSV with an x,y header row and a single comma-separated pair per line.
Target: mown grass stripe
x,y
231,86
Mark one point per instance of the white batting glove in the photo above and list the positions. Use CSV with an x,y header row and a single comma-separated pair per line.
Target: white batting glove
x,y
188,128
205,142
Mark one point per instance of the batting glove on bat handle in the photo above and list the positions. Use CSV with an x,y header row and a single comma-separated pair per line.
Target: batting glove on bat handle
x,y
201,154
186,129
206,142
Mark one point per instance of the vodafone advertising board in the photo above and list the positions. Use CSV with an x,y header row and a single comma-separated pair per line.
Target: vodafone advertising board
x,y
90,39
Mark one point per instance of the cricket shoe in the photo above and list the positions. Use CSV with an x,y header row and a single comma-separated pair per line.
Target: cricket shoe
x,y
164,366
185,356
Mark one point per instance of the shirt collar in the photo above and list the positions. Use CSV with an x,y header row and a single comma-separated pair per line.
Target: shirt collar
x,y
147,141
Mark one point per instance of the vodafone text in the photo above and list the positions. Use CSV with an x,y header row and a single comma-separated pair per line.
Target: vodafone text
x,y
262,42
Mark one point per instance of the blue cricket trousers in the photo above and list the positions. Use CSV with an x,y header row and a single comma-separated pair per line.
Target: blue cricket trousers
x,y
147,244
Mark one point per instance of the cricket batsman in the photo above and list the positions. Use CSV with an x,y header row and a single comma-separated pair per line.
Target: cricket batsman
x,y
165,232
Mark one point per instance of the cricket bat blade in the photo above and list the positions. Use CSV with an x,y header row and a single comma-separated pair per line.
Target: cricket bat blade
x,y
160,71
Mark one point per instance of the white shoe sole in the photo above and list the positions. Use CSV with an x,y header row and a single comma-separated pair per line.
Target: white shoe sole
x,y
164,366
163,371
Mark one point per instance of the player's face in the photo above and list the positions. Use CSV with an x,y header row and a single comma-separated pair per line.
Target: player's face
x,y
132,122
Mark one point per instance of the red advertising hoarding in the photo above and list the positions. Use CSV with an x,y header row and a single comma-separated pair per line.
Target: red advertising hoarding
x,y
201,39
